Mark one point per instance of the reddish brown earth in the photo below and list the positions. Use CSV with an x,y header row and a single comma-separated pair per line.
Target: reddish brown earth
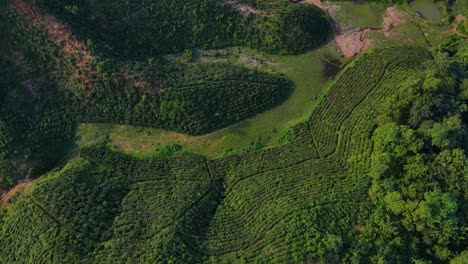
x,y
23,187
351,44
58,34
354,41
453,30
61,35
392,18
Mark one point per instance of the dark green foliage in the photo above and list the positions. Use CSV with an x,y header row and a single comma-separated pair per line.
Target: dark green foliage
x,y
194,98
300,30
35,127
140,28
71,219
419,165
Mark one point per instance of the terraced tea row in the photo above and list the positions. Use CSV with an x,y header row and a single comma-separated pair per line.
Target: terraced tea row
x,y
354,145
351,88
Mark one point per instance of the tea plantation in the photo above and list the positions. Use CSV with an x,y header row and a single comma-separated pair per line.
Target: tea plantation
x,y
377,174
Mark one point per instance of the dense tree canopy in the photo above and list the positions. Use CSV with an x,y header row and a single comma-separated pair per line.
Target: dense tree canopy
x,y
139,28
419,165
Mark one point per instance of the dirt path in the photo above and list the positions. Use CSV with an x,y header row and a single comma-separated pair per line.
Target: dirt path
x,y
453,29
176,137
23,187
354,42
393,17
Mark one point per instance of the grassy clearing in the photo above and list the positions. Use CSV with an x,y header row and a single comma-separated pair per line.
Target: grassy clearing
x,y
353,15
422,30
414,30
305,70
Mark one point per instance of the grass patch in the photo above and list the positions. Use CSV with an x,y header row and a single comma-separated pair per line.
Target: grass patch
x,y
353,15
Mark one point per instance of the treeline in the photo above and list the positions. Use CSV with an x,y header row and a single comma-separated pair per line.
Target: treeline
x,y
141,28
419,168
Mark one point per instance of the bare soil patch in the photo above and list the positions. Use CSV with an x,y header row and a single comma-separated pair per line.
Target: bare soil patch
x,y
245,9
21,187
60,35
392,18
354,42
453,29
317,3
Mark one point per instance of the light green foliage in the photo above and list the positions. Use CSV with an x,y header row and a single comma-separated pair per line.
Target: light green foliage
x,y
463,258
188,55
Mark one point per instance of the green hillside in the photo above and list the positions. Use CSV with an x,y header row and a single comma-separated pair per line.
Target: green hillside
x,y
376,173
346,173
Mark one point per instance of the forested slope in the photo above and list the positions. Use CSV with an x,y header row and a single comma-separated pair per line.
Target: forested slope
x,y
154,92
378,173
65,62
142,28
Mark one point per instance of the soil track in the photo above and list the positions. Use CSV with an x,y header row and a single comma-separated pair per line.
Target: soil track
x,y
453,30
354,43
23,187
351,44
